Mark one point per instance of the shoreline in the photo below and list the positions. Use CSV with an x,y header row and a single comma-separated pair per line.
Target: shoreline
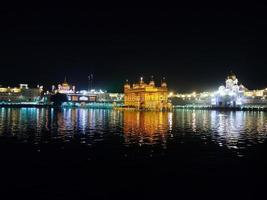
x,y
177,107
25,106
243,108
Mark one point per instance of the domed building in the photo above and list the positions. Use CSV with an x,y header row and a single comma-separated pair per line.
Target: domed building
x,y
146,96
163,83
230,95
152,82
65,88
127,85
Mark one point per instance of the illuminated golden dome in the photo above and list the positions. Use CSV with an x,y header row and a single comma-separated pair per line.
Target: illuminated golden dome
x,y
152,83
65,83
127,85
163,83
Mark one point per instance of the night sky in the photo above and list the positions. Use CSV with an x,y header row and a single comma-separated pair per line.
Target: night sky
x,y
193,46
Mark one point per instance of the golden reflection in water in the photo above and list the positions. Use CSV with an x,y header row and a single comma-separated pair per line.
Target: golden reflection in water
x,y
60,122
232,129
147,126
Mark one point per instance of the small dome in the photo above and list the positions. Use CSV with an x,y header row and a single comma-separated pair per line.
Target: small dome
x,y
152,83
65,83
231,76
163,83
127,85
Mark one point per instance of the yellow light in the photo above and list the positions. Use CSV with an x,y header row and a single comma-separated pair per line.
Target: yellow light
x,y
3,89
171,94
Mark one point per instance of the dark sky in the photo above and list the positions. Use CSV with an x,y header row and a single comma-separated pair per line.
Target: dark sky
x,y
193,46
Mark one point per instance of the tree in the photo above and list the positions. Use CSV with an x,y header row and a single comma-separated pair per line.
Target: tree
x,y
58,99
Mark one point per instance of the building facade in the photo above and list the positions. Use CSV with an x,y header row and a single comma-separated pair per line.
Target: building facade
x,y
20,94
229,95
87,96
64,88
146,96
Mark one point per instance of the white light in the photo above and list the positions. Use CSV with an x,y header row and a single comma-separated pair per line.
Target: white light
x,y
222,93
83,98
213,101
231,93
239,101
83,92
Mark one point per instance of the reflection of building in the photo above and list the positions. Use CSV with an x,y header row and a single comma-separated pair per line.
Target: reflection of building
x,y
20,94
146,96
145,124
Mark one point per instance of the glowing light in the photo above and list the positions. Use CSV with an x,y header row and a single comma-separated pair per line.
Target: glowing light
x,y
231,93
83,92
83,98
239,101
222,93
213,101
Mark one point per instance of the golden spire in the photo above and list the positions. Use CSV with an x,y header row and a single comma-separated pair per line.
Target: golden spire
x,y
127,85
152,83
65,79
163,82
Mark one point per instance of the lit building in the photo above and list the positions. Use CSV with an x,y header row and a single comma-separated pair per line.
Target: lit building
x,y
65,88
87,96
255,93
116,97
230,95
146,96
20,94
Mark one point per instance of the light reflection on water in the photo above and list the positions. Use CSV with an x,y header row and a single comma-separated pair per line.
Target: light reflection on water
x,y
234,130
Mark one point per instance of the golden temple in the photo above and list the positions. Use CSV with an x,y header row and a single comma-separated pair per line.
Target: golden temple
x,y
145,96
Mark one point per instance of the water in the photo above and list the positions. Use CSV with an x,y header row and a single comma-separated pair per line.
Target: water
x,y
154,148
238,131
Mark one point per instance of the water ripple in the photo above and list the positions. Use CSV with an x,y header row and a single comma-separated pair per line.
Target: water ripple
x,y
236,131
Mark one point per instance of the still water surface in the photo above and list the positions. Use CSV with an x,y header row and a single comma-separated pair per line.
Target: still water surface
x,y
159,132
